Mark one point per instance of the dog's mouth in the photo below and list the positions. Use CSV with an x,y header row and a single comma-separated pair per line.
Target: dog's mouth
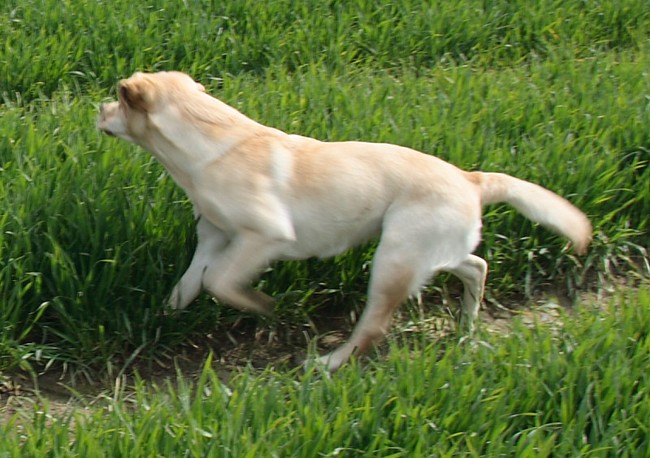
x,y
101,121
104,129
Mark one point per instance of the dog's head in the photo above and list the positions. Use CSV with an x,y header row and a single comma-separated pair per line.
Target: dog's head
x,y
141,96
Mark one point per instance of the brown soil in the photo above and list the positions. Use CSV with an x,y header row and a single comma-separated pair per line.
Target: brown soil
x,y
282,347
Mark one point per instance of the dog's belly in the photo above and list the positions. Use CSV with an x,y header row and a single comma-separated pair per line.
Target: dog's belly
x,y
329,239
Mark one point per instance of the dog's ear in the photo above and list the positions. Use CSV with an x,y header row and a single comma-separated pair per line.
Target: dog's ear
x,y
137,93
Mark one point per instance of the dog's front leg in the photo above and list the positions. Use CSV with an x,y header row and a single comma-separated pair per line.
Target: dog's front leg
x,y
228,280
211,243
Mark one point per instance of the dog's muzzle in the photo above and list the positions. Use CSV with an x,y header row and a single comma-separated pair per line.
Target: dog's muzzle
x,y
102,108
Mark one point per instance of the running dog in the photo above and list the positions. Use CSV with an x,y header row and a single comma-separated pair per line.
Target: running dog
x,y
262,195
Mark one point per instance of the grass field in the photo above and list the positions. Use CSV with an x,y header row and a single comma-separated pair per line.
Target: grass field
x,y
94,233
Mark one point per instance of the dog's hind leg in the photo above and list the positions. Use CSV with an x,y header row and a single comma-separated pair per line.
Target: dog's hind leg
x,y
414,245
472,272
392,281
211,242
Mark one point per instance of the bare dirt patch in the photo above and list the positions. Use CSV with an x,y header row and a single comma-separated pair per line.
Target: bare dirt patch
x,y
282,346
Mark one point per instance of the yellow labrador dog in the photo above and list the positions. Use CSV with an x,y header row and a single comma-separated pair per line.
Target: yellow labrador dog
x,y
263,195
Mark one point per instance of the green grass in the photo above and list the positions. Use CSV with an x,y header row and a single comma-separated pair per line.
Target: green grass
x,y
50,43
94,233
579,389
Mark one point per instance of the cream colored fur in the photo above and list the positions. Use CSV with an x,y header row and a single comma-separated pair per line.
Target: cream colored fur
x,y
262,195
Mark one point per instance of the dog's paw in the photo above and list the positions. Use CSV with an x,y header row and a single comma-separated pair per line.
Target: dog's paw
x,y
316,365
328,363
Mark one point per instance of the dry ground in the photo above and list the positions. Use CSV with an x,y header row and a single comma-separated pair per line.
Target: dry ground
x,y
246,344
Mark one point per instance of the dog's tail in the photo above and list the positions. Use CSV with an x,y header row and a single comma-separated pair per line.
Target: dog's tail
x,y
537,204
